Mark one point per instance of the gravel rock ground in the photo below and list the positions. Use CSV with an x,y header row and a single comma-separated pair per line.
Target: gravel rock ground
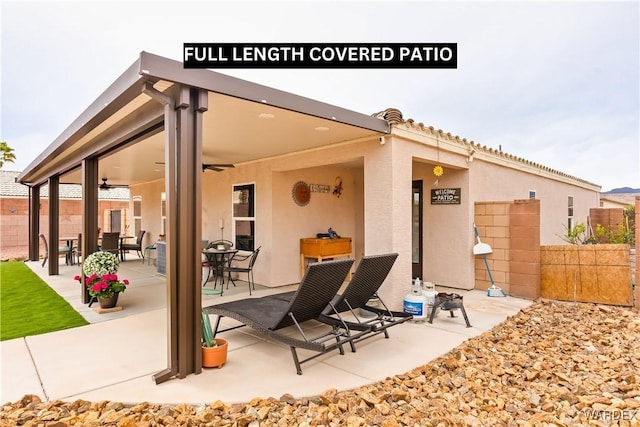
x,y
552,364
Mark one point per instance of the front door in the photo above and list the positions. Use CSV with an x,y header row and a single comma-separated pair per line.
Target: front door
x,y
416,230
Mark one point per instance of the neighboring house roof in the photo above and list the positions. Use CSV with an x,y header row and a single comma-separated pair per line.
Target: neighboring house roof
x,y
620,198
394,117
10,188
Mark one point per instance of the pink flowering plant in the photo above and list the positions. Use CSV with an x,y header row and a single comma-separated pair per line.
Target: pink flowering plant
x,y
104,286
101,280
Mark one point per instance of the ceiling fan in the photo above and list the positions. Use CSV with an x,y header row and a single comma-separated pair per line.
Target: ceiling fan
x,y
218,167
105,186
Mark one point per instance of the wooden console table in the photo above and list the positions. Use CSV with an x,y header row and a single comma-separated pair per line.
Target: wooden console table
x,y
320,249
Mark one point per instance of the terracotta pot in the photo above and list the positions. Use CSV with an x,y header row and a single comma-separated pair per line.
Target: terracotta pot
x,y
215,357
108,302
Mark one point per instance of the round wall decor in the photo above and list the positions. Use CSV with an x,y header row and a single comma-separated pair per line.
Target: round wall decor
x,y
301,193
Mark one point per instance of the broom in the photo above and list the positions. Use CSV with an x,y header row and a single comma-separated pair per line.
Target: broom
x,y
484,249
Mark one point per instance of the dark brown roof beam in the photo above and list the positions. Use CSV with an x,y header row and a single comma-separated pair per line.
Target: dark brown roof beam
x,y
118,94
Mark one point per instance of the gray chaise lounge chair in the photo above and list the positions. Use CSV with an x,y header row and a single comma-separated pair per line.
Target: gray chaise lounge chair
x,y
369,276
269,314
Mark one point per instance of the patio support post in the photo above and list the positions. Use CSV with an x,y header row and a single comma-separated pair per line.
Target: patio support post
x,y
188,175
183,170
54,225
34,223
202,105
89,215
387,214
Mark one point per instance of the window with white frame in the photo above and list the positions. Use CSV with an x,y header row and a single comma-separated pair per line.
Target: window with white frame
x,y
532,194
137,214
570,221
244,220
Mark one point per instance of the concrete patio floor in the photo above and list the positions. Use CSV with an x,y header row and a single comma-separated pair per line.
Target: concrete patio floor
x,y
115,356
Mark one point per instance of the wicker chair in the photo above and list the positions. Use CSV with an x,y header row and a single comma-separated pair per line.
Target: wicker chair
x,y
66,250
111,243
137,246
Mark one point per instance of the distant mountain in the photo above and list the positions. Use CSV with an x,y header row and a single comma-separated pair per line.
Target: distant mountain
x,y
623,190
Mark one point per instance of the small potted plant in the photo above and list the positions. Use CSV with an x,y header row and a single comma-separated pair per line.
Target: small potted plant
x,y
214,350
100,263
101,280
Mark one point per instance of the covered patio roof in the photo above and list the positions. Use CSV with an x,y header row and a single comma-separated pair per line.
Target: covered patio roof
x,y
160,120
244,122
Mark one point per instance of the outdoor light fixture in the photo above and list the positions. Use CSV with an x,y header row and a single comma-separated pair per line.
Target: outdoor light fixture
x,y
438,170
472,152
266,116
322,128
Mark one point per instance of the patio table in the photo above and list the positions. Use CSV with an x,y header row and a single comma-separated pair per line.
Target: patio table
x,y
218,259
68,258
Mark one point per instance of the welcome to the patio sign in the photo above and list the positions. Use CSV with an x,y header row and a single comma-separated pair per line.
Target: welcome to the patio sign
x,y
445,196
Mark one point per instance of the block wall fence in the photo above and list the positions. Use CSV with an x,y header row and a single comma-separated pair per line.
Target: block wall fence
x,y
522,268
14,222
610,218
512,229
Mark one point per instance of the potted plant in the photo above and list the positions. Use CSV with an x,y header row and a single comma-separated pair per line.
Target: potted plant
x,y
214,350
101,280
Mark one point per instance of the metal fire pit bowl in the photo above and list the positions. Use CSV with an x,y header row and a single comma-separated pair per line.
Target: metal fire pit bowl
x,y
449,302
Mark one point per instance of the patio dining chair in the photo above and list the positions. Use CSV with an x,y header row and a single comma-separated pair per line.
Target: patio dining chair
x,y
217,263
247,269
66,250
137,246
270,315
147,253
77,251
111,243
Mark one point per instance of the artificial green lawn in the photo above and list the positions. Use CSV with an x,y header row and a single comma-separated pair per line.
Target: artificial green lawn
x,y
28,306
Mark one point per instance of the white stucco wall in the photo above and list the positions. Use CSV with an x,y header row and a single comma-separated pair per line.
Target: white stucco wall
x,y
217,189
387,220
447,235
292,222
150,193
280,223
490,182
375,206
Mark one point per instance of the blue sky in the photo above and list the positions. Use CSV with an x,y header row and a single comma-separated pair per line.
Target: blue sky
x,y
553,82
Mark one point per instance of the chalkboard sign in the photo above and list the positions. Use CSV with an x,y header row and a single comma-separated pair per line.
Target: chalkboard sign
x,y
445,196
